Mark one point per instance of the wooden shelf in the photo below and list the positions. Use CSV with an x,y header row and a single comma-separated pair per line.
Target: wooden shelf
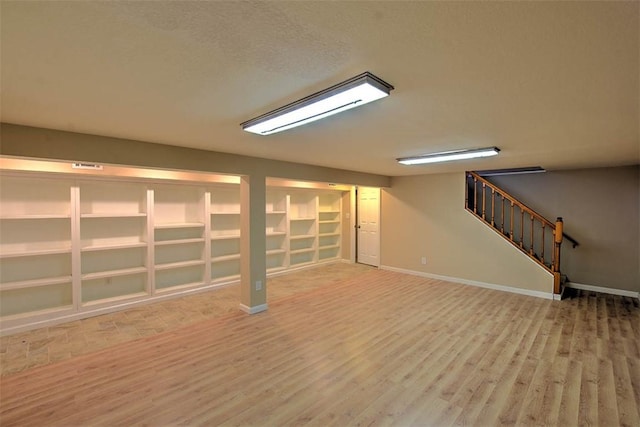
x,y
276,252
226,237
321,248
329,222
114,273
179,241
224,258
303,263
36,252
35,283
115,216
276,212
94,248
174,288
312,218
276,233
225,209
328,234
302,251
302,236
35,216
181,264
232,277
111,300
170,225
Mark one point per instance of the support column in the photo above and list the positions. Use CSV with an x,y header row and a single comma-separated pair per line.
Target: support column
x,y
253,244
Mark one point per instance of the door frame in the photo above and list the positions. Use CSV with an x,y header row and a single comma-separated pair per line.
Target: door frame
x,y
354,223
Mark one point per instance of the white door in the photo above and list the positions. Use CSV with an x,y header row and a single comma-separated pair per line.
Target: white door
x,y
368,226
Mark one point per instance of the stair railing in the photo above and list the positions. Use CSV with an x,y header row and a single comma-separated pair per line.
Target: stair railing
x,y
523,227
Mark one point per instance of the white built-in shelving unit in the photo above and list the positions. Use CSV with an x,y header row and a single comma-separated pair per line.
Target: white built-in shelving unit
x,y
329,226
303,227
277,230
113,240
75,246
178,236
69,246
35,246
225,234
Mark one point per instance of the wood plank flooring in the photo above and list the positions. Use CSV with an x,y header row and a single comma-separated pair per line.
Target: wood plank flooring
x,y
38,347
380,349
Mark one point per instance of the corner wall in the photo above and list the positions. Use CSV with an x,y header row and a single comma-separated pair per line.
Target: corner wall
x,y
425,216
601,210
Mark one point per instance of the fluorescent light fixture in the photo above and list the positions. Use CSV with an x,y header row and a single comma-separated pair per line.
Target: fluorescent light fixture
x,y
448,156
356,91
511,171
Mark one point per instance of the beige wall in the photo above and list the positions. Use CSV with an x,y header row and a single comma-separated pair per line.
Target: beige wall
x,y
51,144
425,216
601,210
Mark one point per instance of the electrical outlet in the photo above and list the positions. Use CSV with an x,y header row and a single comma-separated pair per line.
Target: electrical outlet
x,y
258,285
423,260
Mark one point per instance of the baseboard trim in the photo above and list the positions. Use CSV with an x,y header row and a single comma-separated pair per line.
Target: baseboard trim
x,y
255,309
537,294
560,296
602,289
287,270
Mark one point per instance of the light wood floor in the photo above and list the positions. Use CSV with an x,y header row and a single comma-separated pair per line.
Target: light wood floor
x,y
380,349
27,350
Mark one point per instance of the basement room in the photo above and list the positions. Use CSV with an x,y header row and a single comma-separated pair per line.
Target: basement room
x,y
318,213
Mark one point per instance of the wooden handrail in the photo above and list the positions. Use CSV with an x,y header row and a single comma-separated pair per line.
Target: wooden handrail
x,y
574,243
525,208
537,223
508,196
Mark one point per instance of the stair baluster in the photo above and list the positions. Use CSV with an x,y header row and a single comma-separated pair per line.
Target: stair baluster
x,y
542,249
498,221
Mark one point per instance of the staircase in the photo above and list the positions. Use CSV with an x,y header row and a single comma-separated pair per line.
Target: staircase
x,y
524,228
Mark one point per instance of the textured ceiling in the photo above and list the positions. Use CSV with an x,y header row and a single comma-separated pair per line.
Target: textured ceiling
x,y
555,84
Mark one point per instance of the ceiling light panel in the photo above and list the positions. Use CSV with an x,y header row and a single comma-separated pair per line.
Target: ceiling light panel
x,y
349,94
448,156
512,171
